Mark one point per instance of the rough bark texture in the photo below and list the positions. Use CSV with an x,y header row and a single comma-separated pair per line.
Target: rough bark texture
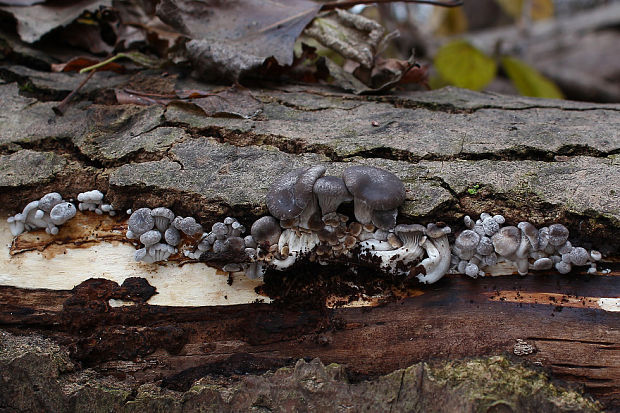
x,y
458,152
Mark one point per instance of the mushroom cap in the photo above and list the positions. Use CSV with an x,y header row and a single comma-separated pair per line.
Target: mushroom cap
x,y
289,195
379,189
49,201
558,234
506,241
543,263
266,229
485,246
467,240
331,192
188,225
141,221
172,236
385,219
163,212
434,230
94,196
410,233
62,212
150,237
579,256
490,226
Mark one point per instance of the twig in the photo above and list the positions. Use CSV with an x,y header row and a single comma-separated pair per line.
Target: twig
x,y
59,110
351,3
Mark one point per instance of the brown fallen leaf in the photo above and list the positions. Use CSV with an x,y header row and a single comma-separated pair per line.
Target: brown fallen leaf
x,y
232,38
35,21
78,63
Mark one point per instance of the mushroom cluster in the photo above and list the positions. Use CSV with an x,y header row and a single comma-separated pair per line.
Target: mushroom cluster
x,y
305,222
93,201
159,230
486,243
47,213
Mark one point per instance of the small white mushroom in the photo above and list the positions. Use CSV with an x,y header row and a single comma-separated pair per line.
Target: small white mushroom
x,y
162,217
62,212
140,222
172,236
188,225
150,237
437,263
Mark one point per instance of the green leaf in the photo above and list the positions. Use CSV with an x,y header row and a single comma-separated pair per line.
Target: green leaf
x,y
529,81
463,65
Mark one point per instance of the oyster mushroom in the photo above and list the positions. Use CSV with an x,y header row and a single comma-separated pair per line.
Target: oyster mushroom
x,y
398,259
266,230
373,189
291,196
437,263
331,192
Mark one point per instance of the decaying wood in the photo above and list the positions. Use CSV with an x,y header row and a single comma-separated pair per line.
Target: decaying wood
x,y
166,326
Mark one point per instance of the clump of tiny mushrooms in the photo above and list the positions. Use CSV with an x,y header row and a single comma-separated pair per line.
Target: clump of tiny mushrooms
x,y
304,224
51,211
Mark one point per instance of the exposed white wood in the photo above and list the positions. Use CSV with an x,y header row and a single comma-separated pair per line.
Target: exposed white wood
x,y
62,267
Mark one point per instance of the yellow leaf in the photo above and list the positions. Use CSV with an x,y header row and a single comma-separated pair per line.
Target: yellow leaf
x,y
463,65
540,9
449,22
529,81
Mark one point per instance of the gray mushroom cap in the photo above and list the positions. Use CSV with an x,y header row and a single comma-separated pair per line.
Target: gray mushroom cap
x,y
188,225
558,234
579,256
150,237
49,201
163,217
172,236
506,241
384,219
467,240
266,229
62,212
290,194
141,221
434,230
331,192
373,189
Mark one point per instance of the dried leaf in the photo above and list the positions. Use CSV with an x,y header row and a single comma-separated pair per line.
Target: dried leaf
x,y
35,21
464,66
231,102
234,37
353,36
79,63
528,81
388,74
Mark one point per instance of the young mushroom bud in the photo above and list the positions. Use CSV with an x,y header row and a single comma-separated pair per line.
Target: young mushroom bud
x,y
373,189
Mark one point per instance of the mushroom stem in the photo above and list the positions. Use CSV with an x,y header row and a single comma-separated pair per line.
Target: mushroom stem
x,y
438,262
